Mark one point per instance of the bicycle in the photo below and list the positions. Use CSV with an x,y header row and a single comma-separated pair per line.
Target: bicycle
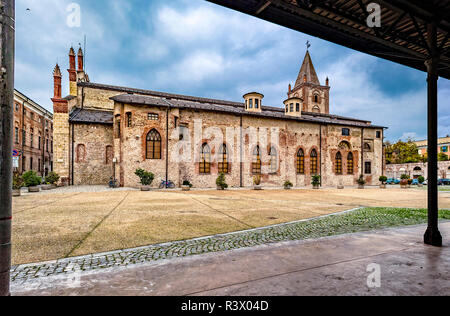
x,y
167,185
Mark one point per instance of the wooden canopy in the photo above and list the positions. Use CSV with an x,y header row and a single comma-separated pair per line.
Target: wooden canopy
x,y
402,37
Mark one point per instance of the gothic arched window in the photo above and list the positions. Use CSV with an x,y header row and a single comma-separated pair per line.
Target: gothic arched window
x,y
313,160
350,164
223,159
273,160
205,159
153,147
338,167
300,162
81,153
256,164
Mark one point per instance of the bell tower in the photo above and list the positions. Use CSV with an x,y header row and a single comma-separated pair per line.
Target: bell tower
x,y
315,97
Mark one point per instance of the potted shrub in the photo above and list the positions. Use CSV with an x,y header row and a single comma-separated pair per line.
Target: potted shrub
x,y
383,180
361,182
17,184
410,181
257,182
52,179
421,180
186,186
288,185
404,181
220,182
32,181
146,178
315,181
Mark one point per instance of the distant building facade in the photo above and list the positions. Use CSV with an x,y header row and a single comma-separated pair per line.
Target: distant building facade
x,y
33,135
415,170
104,131
443,146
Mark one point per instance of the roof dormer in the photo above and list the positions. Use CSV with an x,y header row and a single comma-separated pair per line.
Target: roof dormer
x,y
293,106
253,101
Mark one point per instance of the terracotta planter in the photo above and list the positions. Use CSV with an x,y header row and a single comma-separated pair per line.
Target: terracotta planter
x,y
340,187
16,192
257,187
382,186
420,185
220,188
46,187
186,187
360,186
53,186
316,186
34,189
145,188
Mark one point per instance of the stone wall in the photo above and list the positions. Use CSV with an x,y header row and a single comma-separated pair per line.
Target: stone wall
x,y
414,170
93,154
286,136
61,146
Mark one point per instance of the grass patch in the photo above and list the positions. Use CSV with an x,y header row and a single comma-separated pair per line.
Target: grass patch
x,y
365,219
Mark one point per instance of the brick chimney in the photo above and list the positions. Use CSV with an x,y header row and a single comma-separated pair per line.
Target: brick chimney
x,y
72,73
57,82
80,60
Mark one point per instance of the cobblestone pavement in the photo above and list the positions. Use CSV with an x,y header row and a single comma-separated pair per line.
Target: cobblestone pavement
x,y
347,222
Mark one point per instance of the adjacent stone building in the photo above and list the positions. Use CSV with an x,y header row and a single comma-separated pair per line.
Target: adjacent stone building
x,y
443,146
103,131
33,136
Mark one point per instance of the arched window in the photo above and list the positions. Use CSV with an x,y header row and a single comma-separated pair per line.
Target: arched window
x,y
81,153
313,160
417,169
316,109
316,98
205,159
338,168
153,145
350,165
300,162
223,159
273,160
256,164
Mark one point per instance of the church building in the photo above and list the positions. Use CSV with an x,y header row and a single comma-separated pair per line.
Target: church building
x,y
103,131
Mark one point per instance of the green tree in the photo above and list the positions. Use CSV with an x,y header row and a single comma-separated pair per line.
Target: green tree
x,y
442,157
402,152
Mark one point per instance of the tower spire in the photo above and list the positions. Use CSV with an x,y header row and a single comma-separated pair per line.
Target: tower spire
x,y
307,71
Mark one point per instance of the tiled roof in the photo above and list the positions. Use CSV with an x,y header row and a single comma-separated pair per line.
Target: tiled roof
x,y
307,70
238,109
86,116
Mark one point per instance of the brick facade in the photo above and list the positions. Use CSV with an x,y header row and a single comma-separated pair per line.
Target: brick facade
x,y
106,128
33,135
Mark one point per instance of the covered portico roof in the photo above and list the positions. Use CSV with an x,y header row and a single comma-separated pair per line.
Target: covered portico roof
x,y
402,37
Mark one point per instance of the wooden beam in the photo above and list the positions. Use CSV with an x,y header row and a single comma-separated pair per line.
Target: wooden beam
x,y
262,6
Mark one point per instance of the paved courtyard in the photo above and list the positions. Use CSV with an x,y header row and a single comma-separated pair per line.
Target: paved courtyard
x,y
339,265
78,221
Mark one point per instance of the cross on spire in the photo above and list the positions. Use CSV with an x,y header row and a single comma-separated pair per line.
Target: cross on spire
x,y
308,45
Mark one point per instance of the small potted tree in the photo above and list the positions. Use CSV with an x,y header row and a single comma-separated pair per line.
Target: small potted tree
x,y
186,186
315,181
421,180
146,178
221,183
288,185
17,185
383,180
52,179
32,181
404,181
361,182
410,181
257,182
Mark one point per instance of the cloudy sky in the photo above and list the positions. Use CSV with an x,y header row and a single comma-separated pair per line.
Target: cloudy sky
x,y
196,48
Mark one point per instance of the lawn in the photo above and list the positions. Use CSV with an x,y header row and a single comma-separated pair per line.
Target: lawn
x,y
54,226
